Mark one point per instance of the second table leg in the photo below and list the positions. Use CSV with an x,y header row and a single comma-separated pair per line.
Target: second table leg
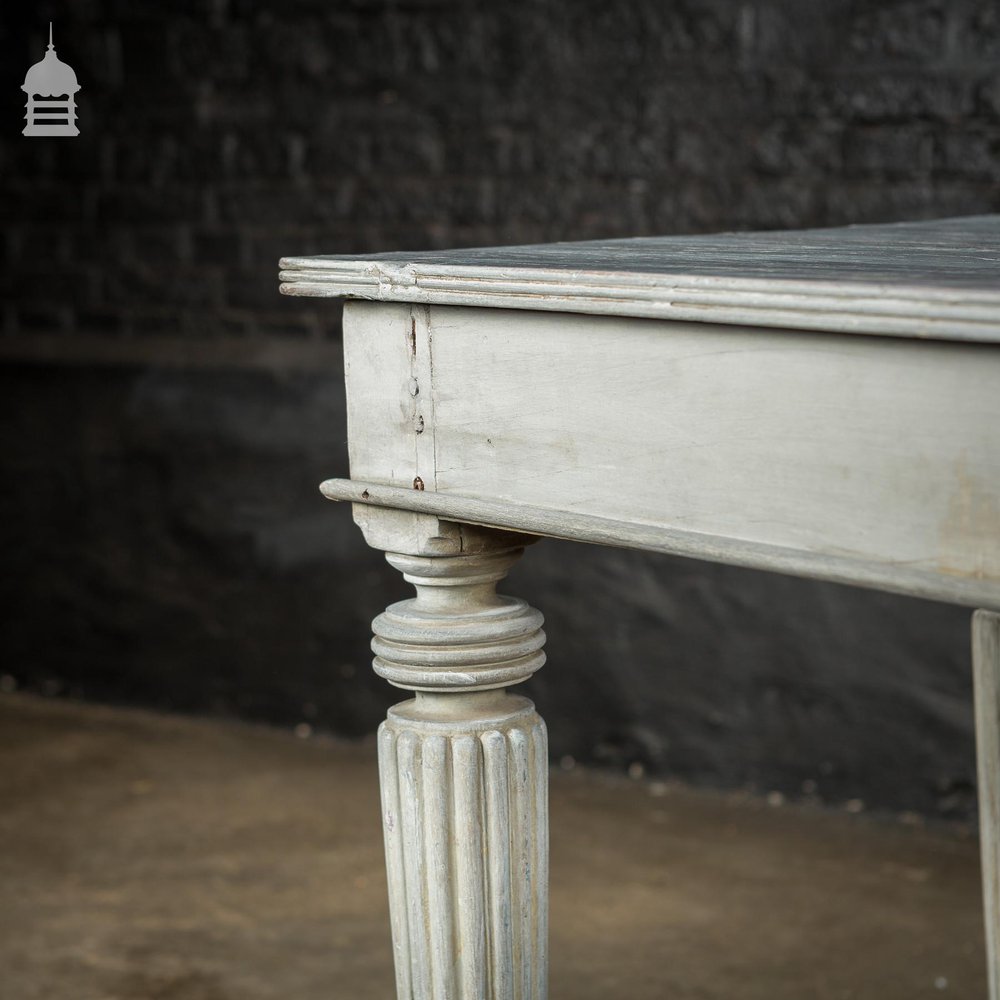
x,y
986,673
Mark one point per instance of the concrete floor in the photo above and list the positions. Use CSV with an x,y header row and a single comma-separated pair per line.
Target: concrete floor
x,y
146,857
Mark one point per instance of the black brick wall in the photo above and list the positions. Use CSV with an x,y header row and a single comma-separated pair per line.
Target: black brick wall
x,y
164,539
220,135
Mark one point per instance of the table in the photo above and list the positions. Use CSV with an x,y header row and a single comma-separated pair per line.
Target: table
x,y
823,403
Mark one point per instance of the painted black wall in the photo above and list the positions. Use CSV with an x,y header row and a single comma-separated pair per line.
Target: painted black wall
x,y
167,415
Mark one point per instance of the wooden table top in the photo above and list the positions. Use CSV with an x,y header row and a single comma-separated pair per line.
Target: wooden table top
x,y
935,279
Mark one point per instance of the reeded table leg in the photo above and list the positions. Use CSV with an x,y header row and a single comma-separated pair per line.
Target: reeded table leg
x,y
463,766
986,671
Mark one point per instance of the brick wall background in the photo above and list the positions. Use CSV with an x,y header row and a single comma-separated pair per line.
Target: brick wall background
x,y
167,414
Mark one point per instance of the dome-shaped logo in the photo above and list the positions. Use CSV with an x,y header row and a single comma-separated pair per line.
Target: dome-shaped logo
x,y
51,88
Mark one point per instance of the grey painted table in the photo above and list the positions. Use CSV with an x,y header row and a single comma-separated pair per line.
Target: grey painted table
x,y
824,403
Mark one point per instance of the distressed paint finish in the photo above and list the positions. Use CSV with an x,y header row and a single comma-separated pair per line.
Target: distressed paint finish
x,y
464,813
463,766
861,459
934,279
705,396
557,523
986,673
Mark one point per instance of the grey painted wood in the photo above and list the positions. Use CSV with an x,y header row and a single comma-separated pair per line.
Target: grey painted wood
x,y
384,386
654,538
937,279
986,672
714,403
463,766
861,459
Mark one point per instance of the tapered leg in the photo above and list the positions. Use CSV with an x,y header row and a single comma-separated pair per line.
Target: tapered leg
x,y
463,766
986,671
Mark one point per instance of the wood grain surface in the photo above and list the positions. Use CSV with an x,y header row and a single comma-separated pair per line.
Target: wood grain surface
x,y
938,279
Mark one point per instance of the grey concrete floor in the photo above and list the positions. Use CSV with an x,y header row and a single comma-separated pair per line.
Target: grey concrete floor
x,y
147,857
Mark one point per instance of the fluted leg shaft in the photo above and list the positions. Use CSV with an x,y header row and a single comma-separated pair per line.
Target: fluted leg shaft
x,y
464,814
463,767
